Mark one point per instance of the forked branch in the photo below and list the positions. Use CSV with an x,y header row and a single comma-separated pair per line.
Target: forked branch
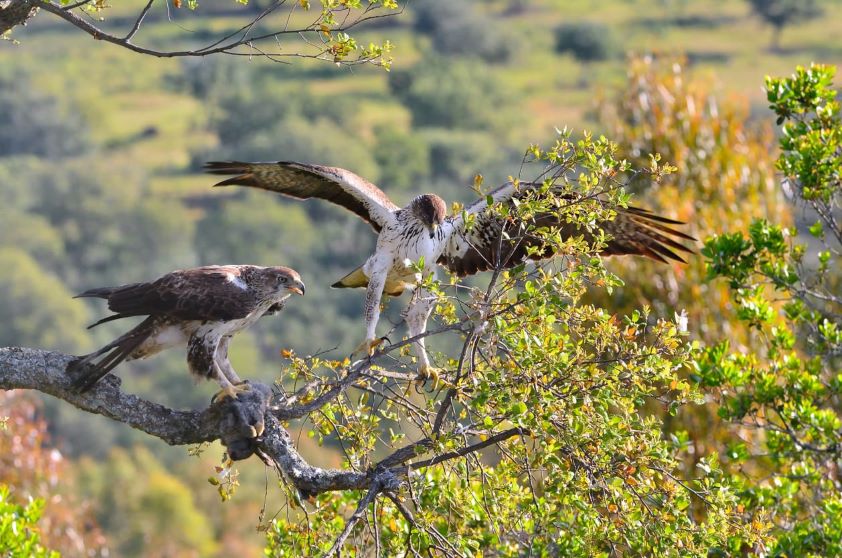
x,y
247,40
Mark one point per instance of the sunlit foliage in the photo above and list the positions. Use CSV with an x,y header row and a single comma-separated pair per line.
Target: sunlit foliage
x,y
789,388
35,487
537,439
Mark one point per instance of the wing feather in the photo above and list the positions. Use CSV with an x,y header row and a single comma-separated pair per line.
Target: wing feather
x,y
303,181
202,293
634,231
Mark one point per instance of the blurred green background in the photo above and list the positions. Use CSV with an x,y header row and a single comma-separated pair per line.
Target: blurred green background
x,y
100,157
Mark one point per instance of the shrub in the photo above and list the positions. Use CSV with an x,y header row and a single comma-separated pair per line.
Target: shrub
x,y
457,28
36,123
404,159
586,41
450,94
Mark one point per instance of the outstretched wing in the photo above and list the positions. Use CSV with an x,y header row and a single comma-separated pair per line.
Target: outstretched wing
x,y
213,293
303,181
633,231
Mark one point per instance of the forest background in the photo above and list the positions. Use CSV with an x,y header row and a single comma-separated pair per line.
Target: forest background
x,y
100,156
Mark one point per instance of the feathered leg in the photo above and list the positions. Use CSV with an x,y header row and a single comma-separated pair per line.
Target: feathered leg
x,y
203,359
236,385
224,364
87,372
416,317
377,272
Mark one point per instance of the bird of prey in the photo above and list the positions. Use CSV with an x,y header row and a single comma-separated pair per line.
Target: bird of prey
x,y
422,230
201,308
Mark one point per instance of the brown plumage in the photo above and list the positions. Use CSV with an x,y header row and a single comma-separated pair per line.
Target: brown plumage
x,y
303,181
201,308
633,231
420,231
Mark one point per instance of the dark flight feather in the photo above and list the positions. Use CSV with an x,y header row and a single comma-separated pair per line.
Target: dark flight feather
x,y
303,181
634,231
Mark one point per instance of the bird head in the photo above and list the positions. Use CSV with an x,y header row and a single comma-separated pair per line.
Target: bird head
x,y
281,279
430,210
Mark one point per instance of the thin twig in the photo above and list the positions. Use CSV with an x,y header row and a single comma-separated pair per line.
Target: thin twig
x,y
138,22
354,519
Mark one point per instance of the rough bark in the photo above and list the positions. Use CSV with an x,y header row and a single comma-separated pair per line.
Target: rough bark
x,y
234,422
15,12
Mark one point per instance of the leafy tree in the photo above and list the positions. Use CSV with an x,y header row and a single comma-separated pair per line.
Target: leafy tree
x,y
153,514
32,469
726,179
451,94
537,439
460,29
32,122
586,41
784,398
36,306
782,13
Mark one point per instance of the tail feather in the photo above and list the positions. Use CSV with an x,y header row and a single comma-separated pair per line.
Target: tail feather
x,y
242,170
395,286
87,371
101,292
353,280
110,318
647,214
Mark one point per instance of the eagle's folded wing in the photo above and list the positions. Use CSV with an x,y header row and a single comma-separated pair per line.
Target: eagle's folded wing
x,y
304,181
484,246
213,293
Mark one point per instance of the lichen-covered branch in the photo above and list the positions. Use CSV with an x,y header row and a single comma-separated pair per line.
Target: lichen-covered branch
x,y
16,12
248,425
44,371
231,422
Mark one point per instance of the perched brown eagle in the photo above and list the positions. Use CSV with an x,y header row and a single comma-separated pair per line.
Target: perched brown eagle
x,y
201,308
422,230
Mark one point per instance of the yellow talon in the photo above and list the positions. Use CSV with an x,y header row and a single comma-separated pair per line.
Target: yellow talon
x,y
230,391
367,347
427,372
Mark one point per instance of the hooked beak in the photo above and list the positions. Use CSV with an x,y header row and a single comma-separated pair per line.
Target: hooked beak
x,y
433,228
298,288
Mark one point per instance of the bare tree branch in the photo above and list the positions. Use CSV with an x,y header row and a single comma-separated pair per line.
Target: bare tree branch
x,y
241,42
382,483
461,452
138,22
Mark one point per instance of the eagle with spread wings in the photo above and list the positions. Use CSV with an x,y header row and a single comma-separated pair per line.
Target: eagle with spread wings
x,y
200,308
422,230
